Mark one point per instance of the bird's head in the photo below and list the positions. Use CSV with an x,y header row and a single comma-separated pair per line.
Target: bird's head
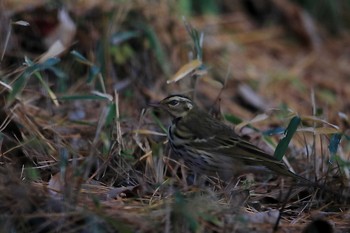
x,y
176,105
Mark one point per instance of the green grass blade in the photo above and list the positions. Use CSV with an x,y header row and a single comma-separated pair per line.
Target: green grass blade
x,y
22,80
93,72
156,46
112,108
79,57
82,97
19,85
333,145
283,144
159,123
274,131
121,37
233,119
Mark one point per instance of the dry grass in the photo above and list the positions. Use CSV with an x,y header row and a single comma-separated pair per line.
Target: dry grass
x,y
82,153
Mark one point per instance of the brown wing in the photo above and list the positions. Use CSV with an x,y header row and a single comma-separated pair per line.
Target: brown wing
x,y
217,139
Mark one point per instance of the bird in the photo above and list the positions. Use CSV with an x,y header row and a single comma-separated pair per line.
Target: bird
x,y
210,147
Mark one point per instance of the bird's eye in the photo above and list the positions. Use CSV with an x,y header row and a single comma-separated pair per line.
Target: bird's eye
x,y
173,103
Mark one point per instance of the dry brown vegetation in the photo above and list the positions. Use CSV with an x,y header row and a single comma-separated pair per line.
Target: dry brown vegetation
x,y
81,152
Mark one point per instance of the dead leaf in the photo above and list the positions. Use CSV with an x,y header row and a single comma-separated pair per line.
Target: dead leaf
x,y
185,70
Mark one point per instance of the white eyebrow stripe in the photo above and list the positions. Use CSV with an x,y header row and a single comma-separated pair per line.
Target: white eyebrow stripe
x,y
189,105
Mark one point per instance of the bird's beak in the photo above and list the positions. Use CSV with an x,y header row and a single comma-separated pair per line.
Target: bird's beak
x,y
154,105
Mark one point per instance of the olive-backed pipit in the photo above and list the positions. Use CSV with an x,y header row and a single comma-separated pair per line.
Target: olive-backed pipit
x,y
208,146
